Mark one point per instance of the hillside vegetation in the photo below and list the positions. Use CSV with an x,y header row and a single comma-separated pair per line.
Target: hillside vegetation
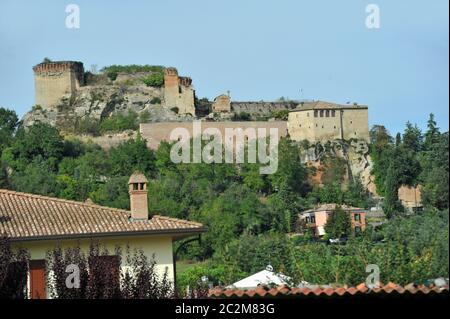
x,y
251,217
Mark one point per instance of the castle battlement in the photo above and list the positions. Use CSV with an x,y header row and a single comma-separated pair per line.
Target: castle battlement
x,y
59,66
185,81
171,71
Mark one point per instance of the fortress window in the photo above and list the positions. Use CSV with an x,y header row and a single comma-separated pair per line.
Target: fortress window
x,y
335,127
316,125
321,113
351,122
333,113
322,126
327,113
299,125
315,113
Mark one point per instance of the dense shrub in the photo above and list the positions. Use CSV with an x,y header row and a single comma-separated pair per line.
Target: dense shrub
x,y
119,122
243,116
107,276
13,271
154,79
155,100
113,70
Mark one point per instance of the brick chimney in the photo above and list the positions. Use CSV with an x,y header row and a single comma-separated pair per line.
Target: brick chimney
x,y
138,196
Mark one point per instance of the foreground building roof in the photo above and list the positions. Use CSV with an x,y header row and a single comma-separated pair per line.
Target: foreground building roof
x,y
284,291
32,217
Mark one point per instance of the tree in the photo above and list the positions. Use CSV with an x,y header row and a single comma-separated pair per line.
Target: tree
x,y
290,170
39,140
435,173
8,125
392,206
432,134
338,224
380,137
412,138
130,156
398,140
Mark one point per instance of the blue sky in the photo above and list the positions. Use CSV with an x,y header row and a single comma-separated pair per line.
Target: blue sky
x,y
256,49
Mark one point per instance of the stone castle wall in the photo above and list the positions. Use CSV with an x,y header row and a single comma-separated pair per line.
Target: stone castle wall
x,y
154,133
54,80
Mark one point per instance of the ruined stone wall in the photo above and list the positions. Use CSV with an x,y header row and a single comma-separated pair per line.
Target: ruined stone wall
x,y
54,80
154,133
261,108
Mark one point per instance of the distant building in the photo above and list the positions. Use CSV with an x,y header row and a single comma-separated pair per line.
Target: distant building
x,y
316,219
222,103
411,197
324,121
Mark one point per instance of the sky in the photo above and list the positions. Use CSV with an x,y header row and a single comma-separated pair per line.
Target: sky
x,y
256,49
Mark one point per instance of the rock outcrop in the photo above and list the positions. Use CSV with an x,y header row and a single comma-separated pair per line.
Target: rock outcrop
x,y
102,98
355,153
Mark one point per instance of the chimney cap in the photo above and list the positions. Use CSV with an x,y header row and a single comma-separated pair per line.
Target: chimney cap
x,y
137,177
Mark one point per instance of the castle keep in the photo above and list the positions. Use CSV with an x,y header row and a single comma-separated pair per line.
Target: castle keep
x,y
54,80
323,121
178,92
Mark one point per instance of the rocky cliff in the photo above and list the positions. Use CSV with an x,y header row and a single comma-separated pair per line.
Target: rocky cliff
x,y
102,97
354,153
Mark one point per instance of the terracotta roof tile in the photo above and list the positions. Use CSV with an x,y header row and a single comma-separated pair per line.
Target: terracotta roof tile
x,y
26,216
285,291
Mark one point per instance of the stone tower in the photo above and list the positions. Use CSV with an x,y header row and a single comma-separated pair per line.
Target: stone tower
x,y
178,92
55,80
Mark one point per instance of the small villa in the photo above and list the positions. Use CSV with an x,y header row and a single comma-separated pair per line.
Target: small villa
x,y
39,223
316,219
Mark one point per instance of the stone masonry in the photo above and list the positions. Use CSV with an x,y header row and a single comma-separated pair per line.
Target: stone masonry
x,y
324,121
178,92
54,80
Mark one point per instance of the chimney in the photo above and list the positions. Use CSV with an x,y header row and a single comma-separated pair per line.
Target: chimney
x,y
138,196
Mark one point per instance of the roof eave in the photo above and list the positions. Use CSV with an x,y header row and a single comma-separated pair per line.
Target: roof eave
x,y
175,233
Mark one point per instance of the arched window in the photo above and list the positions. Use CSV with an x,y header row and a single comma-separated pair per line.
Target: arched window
x,y
327,113
315,113
321,113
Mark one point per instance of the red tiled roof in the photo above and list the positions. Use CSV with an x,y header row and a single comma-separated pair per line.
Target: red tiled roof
x,y
32,217
331,207
285,291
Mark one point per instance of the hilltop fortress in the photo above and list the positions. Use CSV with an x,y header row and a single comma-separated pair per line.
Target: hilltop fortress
x,y
67,96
